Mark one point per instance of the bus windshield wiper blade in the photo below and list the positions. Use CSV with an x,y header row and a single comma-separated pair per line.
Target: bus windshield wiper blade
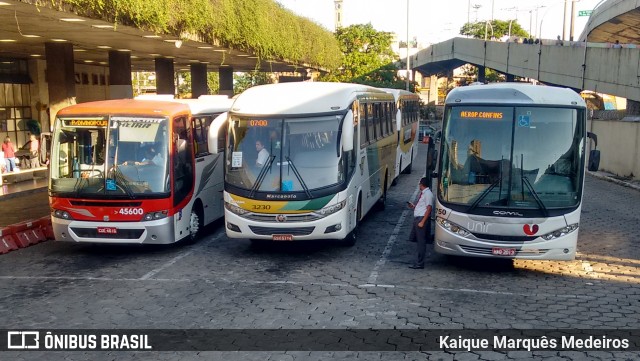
x,y
295,171
121,179
262,174
484,194
535,196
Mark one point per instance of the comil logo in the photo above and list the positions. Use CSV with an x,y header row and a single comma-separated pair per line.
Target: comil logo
x,y
23,340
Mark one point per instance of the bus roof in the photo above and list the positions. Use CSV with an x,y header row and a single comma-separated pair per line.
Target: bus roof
x,y
398,93
125,107
301,98
514,93
208,105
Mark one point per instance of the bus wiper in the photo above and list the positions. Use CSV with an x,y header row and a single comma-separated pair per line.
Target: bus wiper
x,y
526,182
121,179
484,194
262,174
295,171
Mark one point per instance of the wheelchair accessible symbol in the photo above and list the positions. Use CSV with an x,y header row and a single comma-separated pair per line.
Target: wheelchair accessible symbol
x,y
524,121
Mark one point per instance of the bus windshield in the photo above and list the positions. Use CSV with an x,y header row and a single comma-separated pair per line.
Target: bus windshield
x,y
110,157
518,157
284,155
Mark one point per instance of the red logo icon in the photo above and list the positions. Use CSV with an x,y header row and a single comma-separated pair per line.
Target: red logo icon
x,y
530,230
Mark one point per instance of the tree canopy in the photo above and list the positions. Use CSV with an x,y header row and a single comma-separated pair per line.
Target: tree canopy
x,y
500,29
367,57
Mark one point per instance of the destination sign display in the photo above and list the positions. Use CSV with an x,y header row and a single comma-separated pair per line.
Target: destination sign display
x,y
481,114
87,123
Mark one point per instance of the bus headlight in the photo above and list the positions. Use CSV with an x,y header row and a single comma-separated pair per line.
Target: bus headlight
x,y
452,227
234,209
331,209
61,214
560,232
155,215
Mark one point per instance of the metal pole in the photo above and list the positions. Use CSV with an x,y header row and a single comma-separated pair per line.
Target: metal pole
x,y
492,5
573,15
408,59
564,21
468,11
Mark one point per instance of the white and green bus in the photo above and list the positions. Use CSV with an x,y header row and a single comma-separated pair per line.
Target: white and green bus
x,y
307,160
407,108
511,173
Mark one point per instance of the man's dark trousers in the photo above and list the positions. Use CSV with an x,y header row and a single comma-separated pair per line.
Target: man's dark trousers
x,y
422,235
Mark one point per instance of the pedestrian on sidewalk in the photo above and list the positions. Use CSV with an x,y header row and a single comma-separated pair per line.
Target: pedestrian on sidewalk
x,y
9,150
421,229
34,149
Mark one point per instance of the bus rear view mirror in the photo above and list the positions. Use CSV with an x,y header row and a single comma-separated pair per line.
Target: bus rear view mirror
x,y
347,132
214,131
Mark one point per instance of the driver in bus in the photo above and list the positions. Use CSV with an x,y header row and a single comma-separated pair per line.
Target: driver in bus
x,y
263,154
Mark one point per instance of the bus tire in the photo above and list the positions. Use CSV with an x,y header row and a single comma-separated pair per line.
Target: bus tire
x,y
382,202
196,220
352,237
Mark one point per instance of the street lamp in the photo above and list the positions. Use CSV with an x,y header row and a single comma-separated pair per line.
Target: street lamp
x,y
485,29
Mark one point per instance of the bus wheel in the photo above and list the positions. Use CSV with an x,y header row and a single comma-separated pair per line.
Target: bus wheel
x,y
195,224
382,202
352,237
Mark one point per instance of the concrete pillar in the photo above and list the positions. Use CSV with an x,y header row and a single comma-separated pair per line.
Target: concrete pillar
x,y
60,76
165,76
120,75
433,90
226,81
511,78
633,107
199,80
481,74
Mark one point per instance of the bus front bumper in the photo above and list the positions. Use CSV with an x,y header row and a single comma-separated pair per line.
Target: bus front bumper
x,y
561,249
333,226
160,231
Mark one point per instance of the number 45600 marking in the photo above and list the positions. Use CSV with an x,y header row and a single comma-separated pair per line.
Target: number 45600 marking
x,y
131,211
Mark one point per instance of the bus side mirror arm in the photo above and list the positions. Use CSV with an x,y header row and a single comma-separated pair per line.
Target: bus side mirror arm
x,y
214,130
594,137
347,132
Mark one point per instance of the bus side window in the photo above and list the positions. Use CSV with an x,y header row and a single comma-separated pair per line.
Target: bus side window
x,y
200,131
182,159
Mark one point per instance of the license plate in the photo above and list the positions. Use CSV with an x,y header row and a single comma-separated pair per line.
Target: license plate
x,y
282,237
498,251
107,230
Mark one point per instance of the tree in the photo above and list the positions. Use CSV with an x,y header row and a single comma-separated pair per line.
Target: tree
x,y
245,81
367,58
500,28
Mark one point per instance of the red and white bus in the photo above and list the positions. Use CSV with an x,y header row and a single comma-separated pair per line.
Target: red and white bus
x,y
136,171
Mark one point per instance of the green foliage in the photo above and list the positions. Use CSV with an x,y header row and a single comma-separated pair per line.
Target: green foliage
x,y
367,58
262,27
500,29
470,72
245,81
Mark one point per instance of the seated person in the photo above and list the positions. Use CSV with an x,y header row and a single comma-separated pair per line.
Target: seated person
x,y
263,154
151,157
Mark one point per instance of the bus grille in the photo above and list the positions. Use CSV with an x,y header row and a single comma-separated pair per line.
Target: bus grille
x,y
271,218
509,239
268,231
488,251
121,233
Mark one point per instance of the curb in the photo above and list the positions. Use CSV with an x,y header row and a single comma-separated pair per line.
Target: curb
x,y
610,178
25,234
23,193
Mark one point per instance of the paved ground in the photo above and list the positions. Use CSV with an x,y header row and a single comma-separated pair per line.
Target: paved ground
x,y
225,283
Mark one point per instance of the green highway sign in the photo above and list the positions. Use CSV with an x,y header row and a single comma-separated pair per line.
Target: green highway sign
x,y
585,12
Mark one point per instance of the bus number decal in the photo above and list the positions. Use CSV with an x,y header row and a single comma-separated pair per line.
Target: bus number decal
x,y
131,211
441,211
261,207
259,123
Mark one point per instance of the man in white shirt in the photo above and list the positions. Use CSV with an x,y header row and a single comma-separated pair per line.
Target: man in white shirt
x,y
421,229
263,154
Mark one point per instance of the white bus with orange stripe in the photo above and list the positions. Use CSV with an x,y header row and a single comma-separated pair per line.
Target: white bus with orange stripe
x,y
511,172
136,171
331,157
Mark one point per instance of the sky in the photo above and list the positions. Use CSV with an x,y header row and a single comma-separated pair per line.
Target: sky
x,y
432,21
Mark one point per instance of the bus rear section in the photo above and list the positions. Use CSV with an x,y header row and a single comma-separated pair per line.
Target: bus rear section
x,y
511,172
123,171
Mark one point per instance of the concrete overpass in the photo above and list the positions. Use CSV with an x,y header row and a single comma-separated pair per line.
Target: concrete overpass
x,y
581,65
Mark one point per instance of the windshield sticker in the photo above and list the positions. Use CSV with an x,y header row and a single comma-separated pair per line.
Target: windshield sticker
x,y
287,185
236,159
524,121
111,185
